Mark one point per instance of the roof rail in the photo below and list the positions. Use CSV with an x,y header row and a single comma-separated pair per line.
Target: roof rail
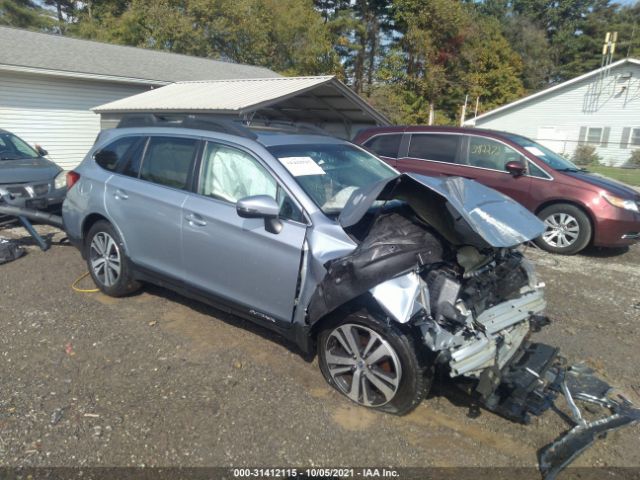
x,y
198,122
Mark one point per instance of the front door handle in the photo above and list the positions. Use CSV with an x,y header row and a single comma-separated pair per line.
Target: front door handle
x,y
120,195
194,219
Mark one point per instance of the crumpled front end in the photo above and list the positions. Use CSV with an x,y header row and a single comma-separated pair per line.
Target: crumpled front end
x,y
474,319
440,256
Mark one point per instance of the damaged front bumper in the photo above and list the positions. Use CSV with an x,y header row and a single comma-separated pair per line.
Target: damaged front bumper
x,y
532,383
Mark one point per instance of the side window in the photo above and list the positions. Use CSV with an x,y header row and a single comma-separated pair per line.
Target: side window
x,y
230,174
130,166
110,156
431,146
385,145
487,153
536,171
167,161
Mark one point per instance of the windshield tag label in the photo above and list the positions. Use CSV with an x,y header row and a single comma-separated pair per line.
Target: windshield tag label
x,y
535,150
301,166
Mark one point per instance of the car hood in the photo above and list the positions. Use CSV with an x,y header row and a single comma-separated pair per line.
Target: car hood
x,y
462,210
27,170
617,188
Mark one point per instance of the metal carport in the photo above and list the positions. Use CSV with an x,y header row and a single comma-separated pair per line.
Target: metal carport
x,y
322,101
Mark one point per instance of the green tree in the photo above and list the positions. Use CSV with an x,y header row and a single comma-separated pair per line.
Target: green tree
x,y
530,42
24,14
489,68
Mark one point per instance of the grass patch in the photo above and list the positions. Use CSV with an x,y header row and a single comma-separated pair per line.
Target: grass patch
x,y
630,176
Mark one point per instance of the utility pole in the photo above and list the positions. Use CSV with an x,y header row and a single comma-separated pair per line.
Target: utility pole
x,y
463,114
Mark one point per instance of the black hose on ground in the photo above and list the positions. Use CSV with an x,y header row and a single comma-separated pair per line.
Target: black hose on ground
x,y
31,214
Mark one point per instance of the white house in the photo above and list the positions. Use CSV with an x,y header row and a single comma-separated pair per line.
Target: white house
x,y
600,108
49,83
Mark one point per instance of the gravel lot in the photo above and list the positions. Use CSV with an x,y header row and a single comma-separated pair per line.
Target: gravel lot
x,y
158,380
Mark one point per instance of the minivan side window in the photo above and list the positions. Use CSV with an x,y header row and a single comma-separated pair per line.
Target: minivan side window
x,y
167,161
110,156
230,174
386,145
488,153
434,146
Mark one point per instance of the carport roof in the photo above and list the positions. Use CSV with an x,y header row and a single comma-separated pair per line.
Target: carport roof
x,y
322,98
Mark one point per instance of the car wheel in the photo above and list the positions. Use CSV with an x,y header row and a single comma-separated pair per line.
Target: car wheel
x,y
108,265
374,364
568,229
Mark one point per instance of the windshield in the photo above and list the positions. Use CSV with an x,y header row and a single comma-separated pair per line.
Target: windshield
x,y
549,157
330,173
13,148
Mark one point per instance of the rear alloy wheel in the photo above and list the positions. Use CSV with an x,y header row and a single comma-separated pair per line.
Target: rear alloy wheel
x,y
108,265
567,229
374,365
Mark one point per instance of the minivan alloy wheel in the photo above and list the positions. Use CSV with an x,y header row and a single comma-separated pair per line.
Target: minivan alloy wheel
x,y
562,230
105,259
363,365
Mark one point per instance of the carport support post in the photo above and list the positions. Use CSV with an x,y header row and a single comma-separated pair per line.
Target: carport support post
x,y
44,246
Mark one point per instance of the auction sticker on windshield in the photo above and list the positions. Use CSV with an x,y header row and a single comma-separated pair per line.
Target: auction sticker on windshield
x,y
301,166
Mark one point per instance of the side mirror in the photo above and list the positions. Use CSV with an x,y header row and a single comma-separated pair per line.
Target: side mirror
x,y
261,206
516,168
41,151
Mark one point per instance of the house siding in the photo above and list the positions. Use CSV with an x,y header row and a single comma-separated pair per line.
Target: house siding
x,y
556,119
54,112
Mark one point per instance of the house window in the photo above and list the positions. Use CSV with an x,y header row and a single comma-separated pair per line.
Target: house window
x,y
594,135
634,140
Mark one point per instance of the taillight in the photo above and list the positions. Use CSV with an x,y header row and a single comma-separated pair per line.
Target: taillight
x,y
72,178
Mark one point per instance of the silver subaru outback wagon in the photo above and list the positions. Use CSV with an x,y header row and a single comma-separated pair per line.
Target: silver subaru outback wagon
x,y
386,277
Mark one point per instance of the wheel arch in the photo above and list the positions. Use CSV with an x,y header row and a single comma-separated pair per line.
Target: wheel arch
x,y
91,219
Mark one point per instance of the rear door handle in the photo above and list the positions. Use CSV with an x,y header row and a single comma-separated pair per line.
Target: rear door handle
x,y
120,195
194,219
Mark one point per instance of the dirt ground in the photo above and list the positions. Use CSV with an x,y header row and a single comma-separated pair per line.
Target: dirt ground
x,y
159,380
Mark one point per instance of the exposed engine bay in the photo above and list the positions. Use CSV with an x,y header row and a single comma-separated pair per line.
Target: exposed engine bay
x,y
445,262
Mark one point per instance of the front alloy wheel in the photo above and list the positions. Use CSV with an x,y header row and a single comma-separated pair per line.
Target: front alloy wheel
x,y
363,365
567,229
375,362
562,230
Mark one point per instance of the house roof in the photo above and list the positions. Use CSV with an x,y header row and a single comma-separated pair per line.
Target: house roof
x,y
36,52
549,90
322,98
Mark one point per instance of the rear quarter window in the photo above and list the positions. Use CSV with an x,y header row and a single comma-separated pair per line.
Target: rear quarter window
x,y
112,155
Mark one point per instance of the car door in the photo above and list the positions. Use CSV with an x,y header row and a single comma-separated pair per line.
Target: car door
x,y
144,199
235,259
433,154
486,159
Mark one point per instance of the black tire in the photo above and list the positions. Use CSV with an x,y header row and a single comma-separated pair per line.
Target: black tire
x,y
416,372
124,284
577,218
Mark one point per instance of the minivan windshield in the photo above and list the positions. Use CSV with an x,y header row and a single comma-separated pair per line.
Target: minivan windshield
x,y
549,157
330,173
14,148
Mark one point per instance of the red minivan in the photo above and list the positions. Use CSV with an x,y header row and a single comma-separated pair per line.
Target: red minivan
x,y
578,207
